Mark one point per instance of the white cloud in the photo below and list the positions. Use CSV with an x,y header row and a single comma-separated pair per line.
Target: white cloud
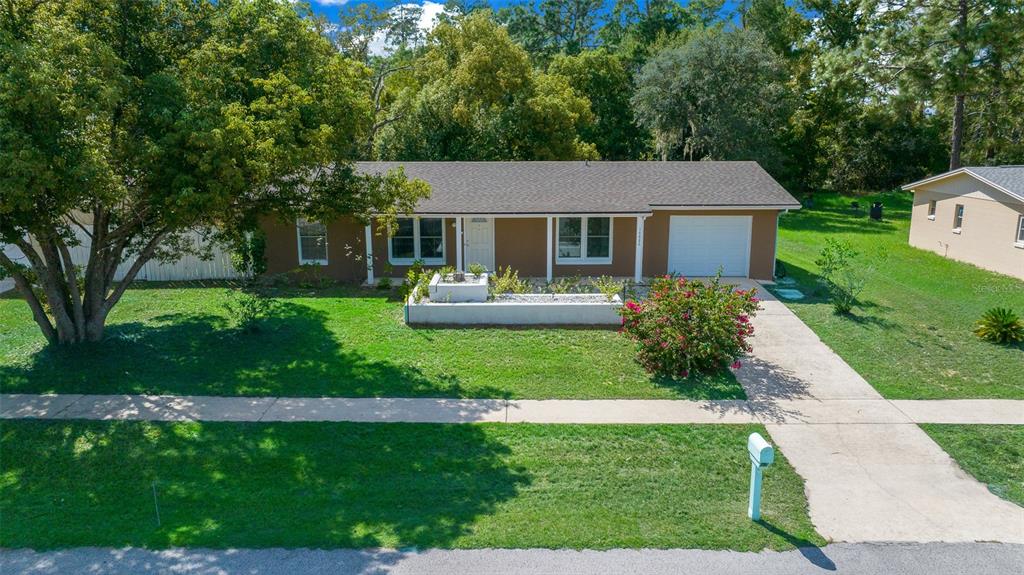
x,y
428,19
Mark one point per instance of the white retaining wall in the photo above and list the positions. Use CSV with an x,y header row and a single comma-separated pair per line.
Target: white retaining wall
x,y
601,313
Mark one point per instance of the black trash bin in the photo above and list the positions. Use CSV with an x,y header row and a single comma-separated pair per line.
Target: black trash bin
x,y
876,211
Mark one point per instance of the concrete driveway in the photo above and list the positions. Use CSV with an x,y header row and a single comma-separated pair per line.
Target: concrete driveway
x,y
871,474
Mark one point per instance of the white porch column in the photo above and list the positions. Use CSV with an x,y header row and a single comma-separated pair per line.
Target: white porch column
x,y
369,254
458,244
550,250
638,271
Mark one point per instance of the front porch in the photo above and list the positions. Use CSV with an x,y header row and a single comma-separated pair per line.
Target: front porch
x,y
542,246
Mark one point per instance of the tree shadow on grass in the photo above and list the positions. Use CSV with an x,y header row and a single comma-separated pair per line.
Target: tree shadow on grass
x,y
701,386
220,485
294,354
809,550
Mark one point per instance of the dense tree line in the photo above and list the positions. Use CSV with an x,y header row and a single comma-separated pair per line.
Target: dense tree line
x,y
835,94
138,122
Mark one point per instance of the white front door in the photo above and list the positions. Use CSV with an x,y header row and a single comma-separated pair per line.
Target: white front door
x,y
701,245
479,242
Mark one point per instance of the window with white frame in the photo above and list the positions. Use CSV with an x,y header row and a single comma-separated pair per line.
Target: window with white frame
x,y
417,239
312,242
958,217
931,209
1020,229
584,240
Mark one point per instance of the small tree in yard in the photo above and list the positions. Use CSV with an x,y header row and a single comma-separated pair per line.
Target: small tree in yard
x,y
687,326
842,273
136,123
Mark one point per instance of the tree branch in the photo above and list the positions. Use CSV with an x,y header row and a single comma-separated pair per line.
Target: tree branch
x,y
144,256
80,226
73,292
23,285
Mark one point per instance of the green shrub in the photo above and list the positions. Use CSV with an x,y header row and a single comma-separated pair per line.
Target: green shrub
x,y
417,282
609,286
248,253
384,283
412,278
508,281
249,309
564,285
477,269
421,289
844,275
686,326
1000,325
311,276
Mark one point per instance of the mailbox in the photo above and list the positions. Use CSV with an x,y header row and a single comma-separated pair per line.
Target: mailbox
x,y
761,453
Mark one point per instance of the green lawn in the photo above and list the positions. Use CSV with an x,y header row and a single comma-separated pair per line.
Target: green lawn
x,y
911,337
335,342
324,485
993,454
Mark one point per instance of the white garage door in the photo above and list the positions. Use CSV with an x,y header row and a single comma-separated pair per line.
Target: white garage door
x,y
699,245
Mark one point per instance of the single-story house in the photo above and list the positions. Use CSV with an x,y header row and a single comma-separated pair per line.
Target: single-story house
x,y
973,214
556,219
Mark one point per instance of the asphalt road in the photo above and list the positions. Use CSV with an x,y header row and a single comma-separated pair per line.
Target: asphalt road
x,y
844,558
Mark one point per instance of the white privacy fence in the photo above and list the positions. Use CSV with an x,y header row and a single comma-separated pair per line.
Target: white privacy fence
x,y
187,267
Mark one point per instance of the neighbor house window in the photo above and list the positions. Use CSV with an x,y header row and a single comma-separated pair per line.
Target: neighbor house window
x,y
958,217
1020,230
417,239
312,242
931,209
585,240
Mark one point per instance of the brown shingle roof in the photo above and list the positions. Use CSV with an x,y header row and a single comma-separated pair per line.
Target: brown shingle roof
x,y
594,187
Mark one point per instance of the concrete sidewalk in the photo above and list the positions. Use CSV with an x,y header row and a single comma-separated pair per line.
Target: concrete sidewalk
x,y
860,559
429,410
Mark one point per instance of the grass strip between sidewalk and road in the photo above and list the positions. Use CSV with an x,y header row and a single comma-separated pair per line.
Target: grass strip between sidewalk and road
x,y
353,485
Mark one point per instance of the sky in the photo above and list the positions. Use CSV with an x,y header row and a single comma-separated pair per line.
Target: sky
x,y
431,8
330,8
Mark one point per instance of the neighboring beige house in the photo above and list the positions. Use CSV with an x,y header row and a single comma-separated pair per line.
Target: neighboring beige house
x,y
973,214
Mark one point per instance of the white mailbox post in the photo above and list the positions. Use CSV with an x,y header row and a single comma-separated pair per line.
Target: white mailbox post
x,y
761,455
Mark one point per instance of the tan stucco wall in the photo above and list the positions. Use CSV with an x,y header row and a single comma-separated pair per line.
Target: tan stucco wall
x,y
762,240
519,243
990,221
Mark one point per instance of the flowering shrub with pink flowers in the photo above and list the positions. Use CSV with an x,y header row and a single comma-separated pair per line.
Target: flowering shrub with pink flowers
x,y
690,326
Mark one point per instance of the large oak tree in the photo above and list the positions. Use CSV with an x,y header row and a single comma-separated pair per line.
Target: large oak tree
x,y
133,122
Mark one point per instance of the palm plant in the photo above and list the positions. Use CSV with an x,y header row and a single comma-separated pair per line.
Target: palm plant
x,y
1000,325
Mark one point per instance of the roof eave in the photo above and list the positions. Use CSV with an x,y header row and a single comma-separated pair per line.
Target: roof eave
x,y
960,171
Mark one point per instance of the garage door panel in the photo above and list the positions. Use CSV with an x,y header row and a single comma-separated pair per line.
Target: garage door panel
x,y
699,245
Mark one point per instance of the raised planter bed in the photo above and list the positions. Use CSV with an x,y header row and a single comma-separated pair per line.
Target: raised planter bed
x,y
473,288
519,309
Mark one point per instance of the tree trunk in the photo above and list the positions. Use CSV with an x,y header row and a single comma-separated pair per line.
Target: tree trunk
x,y
956,145
65,313
958,133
